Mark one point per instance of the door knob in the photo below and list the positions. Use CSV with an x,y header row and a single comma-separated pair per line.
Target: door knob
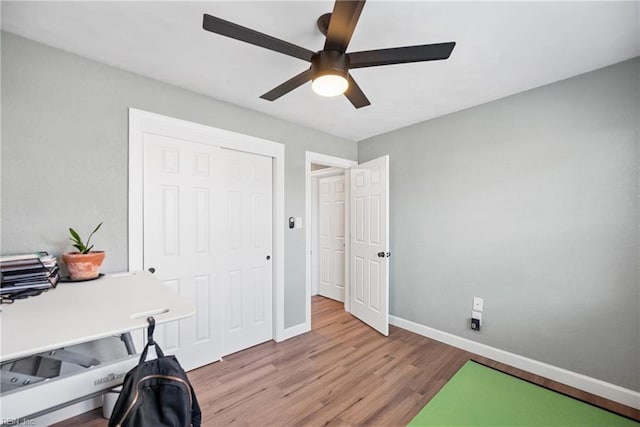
x,y
381,254
268,257
152,270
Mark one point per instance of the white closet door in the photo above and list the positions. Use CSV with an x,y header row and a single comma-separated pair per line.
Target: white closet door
x,y
246,261
369,243
180,199
331,219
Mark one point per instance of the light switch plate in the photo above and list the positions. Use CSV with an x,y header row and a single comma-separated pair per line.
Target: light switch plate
x,y
478,303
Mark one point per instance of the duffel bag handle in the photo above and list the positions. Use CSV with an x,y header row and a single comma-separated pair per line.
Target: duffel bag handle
x,y
150,341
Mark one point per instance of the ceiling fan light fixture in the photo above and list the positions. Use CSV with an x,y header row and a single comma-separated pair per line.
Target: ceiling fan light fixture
x,y
330,72
329,85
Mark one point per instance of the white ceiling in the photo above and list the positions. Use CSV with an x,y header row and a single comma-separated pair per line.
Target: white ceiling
x,y
502,48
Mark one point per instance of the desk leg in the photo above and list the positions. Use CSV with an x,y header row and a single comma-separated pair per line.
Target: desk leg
x,y
128,343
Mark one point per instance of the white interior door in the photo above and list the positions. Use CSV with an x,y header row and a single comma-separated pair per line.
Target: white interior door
x,y
370,243
247,250
331,219
180,197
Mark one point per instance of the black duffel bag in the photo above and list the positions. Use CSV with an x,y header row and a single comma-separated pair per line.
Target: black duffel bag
x,y
156,393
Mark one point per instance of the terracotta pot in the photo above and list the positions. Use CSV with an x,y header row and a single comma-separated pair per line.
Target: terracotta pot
x,y
83,266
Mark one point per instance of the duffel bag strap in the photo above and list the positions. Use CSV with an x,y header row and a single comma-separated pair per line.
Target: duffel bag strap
x,y
150,340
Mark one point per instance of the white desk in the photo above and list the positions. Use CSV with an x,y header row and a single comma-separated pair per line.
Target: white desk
x,y
75,313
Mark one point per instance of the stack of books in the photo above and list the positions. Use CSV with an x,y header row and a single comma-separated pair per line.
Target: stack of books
x,y
27,275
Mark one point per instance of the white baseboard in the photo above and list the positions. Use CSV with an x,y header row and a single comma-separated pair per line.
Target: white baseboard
x,y
293,331
591,385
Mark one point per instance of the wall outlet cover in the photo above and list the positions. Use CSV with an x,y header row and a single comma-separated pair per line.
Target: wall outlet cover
x,y
477,315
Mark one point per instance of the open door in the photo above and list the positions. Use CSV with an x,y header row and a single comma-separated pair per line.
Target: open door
x,y
369,184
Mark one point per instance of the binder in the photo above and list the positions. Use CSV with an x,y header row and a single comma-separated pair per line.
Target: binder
x,y
24,275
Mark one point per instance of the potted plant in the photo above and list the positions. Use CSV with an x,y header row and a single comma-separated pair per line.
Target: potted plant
x,y
84,263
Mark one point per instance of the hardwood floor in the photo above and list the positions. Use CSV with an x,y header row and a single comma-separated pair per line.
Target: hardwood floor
x,y
340,373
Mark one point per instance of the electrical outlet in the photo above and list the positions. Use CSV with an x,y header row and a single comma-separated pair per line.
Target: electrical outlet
x,y
478,303
475,325
477,315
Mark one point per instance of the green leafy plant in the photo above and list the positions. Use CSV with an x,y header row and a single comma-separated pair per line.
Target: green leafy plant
x,y
77,241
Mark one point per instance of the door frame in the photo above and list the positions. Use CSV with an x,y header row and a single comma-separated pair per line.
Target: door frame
x,y
141,122
323,159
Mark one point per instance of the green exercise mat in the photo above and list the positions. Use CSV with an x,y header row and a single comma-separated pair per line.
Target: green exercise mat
x,y
482,396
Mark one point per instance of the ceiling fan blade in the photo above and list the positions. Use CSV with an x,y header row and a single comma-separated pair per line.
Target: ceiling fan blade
x,y
355,94
287,86
342,24
247,35
401,55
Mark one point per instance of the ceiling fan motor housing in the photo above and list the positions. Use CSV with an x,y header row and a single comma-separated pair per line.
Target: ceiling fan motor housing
x,y
329,62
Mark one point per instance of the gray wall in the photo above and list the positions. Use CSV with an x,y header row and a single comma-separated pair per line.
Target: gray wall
x,y
531,202
65,148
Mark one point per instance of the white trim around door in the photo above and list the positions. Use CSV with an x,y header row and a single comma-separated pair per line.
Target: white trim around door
x,y
141,122
322,159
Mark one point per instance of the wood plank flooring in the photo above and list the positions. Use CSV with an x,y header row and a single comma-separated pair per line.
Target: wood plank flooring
x,y
340,373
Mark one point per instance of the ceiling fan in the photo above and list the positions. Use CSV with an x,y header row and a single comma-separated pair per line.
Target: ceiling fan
x,y
329,70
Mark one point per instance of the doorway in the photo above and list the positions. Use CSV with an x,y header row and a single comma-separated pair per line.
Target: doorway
x,y
317,167
365,234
